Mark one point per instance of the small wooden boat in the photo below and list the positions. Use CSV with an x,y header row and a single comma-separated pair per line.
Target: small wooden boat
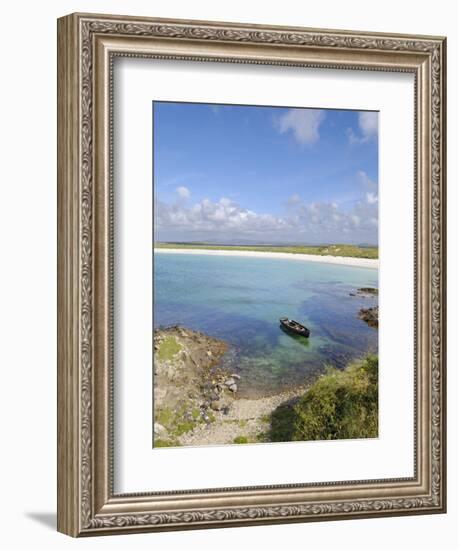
x,y
294,327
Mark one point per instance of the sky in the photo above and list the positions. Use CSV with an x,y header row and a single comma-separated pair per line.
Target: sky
x,y
269,175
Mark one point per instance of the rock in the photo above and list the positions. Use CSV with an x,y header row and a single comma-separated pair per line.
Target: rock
x,y
220,406
233,387
367,291
159,394
213,396
159,430
370,316
190,381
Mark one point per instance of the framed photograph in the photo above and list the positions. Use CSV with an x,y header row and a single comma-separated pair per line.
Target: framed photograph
x,y
251,291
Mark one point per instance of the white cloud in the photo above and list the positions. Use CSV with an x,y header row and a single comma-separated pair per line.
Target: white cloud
x,y
366,180
225,220
293,200
352,137
303,123
370,186
368,123
371,198
207,217
368,128
183,192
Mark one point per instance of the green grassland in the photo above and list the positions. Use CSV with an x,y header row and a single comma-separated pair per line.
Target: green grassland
x,y
339,405
345,250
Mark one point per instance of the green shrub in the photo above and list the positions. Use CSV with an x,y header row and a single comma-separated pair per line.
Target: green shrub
x,y
240,439
339,405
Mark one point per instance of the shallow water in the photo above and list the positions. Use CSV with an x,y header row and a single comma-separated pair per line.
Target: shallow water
x,y
240,299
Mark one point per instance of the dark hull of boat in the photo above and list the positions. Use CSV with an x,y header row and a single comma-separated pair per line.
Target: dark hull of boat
x,y
295,328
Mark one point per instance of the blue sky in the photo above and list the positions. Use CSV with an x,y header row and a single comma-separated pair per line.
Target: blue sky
x,y
245,174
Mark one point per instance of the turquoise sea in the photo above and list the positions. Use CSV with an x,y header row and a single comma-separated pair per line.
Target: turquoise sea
x,y
240,299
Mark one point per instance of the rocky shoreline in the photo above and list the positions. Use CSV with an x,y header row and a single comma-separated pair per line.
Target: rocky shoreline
x,y
196,400
368,315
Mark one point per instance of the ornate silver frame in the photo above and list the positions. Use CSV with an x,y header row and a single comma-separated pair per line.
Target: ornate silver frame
x,y
87,44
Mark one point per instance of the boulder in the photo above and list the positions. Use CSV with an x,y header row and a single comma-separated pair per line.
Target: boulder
x,y
159,430
219,406
213,396
370,316
367,291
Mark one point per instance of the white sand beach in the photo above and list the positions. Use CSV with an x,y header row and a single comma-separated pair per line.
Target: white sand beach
x,y
340,260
